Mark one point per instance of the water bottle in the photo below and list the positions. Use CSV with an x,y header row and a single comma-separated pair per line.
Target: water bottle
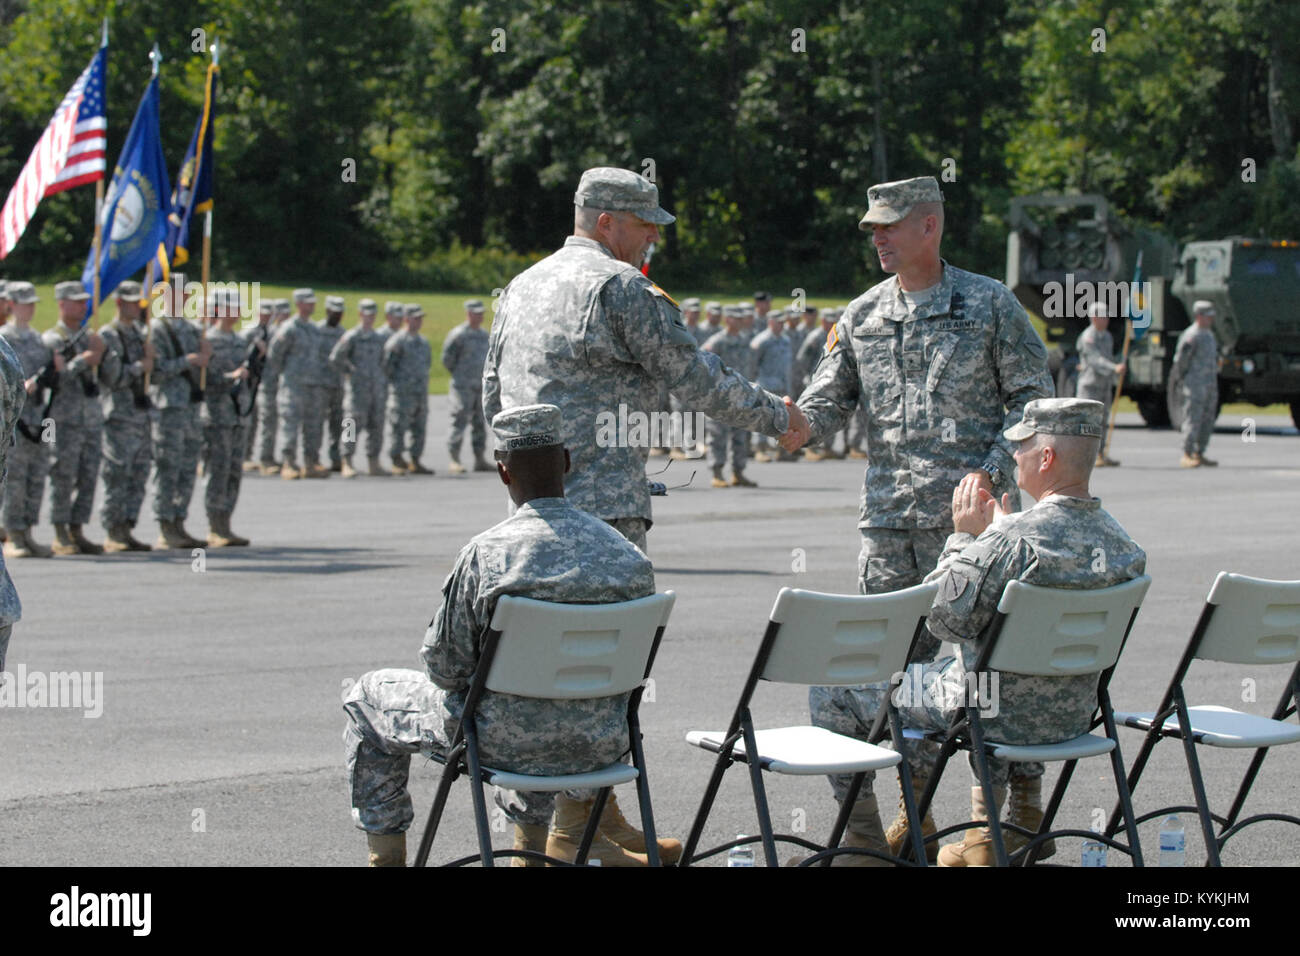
x,y
1094,853
1173,842
742,855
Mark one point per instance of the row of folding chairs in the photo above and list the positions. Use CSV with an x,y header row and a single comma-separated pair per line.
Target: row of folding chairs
x,y
536,649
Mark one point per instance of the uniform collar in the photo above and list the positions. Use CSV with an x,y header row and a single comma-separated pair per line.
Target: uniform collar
x,y
1069,501
586,243
939,303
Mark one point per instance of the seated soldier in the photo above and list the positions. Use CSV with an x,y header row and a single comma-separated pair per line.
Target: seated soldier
x,y
547,550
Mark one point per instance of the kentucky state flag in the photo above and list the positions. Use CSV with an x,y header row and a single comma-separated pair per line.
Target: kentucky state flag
x,y
194,181
137,204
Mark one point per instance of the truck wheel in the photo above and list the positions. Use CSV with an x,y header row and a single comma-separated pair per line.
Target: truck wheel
x,y
1154,411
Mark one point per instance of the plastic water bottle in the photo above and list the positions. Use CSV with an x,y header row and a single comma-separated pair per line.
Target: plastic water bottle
x,y
1173,842
1094,853
742,855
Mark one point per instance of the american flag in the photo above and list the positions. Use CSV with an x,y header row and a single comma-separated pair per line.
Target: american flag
x,y
71,152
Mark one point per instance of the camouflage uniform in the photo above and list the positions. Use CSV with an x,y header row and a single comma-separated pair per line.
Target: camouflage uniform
x,y
463,354
293,357
331,380
128,445
251,335
1053,544
13,396
588,333
407,360
223,428
773,357
268,417
78,430
176,434
29,457
735,354
547,550
1097,366
359,357
1196,370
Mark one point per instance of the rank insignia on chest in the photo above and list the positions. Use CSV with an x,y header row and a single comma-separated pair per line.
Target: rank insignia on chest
x,y
957,307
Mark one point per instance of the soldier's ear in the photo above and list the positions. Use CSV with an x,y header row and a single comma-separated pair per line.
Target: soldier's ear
x,y
503,472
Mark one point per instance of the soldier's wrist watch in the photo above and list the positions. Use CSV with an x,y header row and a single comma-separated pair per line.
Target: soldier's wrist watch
x,y
994,473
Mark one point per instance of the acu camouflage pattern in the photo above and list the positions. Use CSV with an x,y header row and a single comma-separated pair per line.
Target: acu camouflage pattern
x,y
547,550
463,354
78,427
939,388
128,445
223,429
300,403
1097,366
773,356
329,378
359,357
408,358
588,333
735,354
177,436
263,446
1195,373
28,461
809,353
13,396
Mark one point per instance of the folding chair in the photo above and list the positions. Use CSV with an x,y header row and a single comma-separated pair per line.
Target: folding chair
x,y
559,652
819,639
1245,621
1048,632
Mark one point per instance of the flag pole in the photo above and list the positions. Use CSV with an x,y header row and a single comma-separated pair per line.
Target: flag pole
x,y
206,269
99,224
155,58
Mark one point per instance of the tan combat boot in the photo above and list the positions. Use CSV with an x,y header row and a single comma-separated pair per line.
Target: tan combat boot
x,y
346,469
219,533
738,479
136,545
190,540
566,836
377,470
387,849
117,538
482,464
899,834
614,826
864,832
1189,461
170,536
288,472
814,454
399,465
17,545
251,465
976,848
270,468
63,541
315,469
84,544
1025,809
455,468
416,468
529,836
1208,463
718,480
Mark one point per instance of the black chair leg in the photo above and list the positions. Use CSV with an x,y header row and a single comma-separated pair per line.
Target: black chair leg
x,y
593,826
720,767
643,797
760,796
450,771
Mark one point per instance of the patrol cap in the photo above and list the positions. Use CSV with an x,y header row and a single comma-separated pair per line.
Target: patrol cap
x,y
713,308
776,315
1059,416
890,202
128,290
1205,306
282,306
22,293
527,426
621,190
689,304
368,307
392,308
810,310
71,291
733,311
761,297
334,303
303,295
827,314
227,299
1098,310
265,306
412,310
474,305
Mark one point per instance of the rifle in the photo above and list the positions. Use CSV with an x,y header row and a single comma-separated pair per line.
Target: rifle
x,y
255,362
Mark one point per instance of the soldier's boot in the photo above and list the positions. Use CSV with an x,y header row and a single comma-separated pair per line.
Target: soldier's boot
x,y
219,533
856,453
739,480
63,541
117,538
678,454
190,540
377,470
416,468
238,541
899,834
455,468
482,464
37,548
171,536
566,836
17,545
1208,463
271,468
336,466
251,465
315,469
614,826
529,836
718,480
864,832
763,456
348,471
387,849
815,454
84,544
136,545
976,848
288,472
1025,809
399,465
1189,461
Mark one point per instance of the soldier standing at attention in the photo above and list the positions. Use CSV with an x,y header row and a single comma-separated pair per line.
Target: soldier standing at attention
x,y
359,357
177,435
12,399
772,358
128,444
944,361
806,359
463,354
78,422
330,331
268,414
729,345
393,322
294,357
29,458
261,332
223,427
1196,373
408,358
1098,370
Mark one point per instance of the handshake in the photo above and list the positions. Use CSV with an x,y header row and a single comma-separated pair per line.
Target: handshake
x,y
799,431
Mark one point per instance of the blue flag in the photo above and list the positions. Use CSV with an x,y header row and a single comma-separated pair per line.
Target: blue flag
x,y
1139,309
137,204
193,193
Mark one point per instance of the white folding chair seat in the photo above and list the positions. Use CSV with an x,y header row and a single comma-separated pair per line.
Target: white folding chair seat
x,y
557,652
819,639
1217,726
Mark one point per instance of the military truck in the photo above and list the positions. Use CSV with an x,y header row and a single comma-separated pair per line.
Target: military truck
x,y
1065,252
